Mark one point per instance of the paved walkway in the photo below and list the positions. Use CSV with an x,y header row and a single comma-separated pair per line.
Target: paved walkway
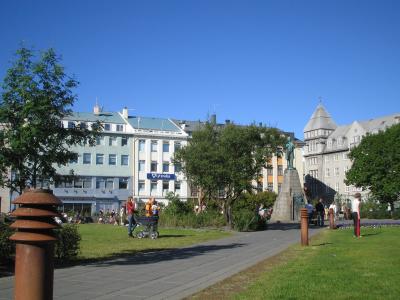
x,y
169,274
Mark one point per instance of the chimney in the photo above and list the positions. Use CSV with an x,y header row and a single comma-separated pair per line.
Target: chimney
x,y
183,125
125,113
213,119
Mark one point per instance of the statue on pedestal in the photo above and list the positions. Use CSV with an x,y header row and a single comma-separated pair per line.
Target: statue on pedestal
x,y
289,153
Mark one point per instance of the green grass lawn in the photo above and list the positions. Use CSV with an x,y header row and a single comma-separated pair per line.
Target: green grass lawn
x,y
101,241
334,266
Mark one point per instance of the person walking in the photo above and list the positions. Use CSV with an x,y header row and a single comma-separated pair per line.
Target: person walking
x,y
320,212
355,213
130,210
310,212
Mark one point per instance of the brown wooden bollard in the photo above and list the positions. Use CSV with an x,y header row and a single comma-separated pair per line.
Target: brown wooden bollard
x,y
304,226
332,219
35,239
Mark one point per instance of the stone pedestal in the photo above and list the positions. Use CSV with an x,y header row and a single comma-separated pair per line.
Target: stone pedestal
x,y
288,203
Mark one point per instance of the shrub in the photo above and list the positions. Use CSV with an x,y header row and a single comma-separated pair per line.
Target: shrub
x,y
67,245
7,247
245,220
372,209
245,210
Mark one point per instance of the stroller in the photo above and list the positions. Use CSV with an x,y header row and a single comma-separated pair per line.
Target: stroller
x,y
150,226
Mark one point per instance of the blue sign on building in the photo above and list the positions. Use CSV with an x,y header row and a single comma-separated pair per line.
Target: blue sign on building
x,y
158,176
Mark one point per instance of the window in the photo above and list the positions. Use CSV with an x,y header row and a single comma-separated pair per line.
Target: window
x,y
100,140
74,160
327,158
141,186
165,167
87,182
270,186
124,141
177,187
141,165
142,143
337,171
165,187
112,159
120,127
178,167
346,169
123,183
124,160
337,186
78,183
336,157
154,145
87,157
345,156
327,172
107,127
153,187
177,146
112,141
110,183
270,171
99,159
71,124
153,166
165,147
313,173
100,183
280,170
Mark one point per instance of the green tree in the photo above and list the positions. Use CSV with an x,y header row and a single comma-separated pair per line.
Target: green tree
x,y
36,96
228,159
376,165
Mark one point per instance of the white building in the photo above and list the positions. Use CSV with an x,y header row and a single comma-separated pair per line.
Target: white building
x,y
327,147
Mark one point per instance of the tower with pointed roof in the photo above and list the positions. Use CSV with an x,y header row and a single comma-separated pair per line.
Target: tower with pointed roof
x,y
316,133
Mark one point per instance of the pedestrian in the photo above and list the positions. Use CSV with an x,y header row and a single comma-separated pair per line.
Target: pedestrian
x,y
355,213
122,215
148,207
310,212
130,210
320,212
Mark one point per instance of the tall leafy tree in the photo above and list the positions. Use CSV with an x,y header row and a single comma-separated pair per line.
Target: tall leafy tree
x,y
36,96
376,165
228,159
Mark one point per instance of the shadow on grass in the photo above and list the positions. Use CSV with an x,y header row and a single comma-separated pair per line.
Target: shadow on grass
x,y
370,234
323,244
173,236
148,256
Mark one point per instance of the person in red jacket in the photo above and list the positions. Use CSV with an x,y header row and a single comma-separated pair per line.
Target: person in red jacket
x,y
130,210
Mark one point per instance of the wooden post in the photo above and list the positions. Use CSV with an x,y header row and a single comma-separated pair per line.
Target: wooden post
x,y
35,244
332,219
304,226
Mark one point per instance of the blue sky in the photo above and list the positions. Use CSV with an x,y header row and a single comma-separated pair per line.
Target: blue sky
x,y
262,61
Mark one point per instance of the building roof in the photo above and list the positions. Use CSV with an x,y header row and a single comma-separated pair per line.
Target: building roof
x,y
161,124
371,126
381,123
104,117
320,119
